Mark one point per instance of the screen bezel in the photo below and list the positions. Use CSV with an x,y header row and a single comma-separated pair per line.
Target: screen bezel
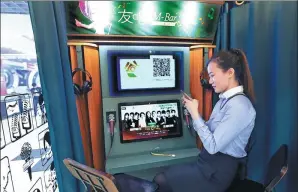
x,y
148,88
180,130
112,74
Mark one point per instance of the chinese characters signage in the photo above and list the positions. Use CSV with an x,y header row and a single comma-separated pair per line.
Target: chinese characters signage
x,y
190,19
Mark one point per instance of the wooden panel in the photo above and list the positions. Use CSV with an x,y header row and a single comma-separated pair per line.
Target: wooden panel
x,y
213,2
208,95
191,67
81,109
73,36
196,66
196,90
201,46
103,41
91,60
81,44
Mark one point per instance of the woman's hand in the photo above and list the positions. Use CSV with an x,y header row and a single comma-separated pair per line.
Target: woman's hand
x,y
192,106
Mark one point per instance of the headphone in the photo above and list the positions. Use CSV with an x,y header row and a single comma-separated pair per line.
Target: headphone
x,y
204,82
87,84
239,2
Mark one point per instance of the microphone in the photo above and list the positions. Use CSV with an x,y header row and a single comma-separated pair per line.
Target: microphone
x,y
26,151
26,118
111,120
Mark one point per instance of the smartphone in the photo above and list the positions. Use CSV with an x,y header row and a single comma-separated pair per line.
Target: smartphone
x,y
183,93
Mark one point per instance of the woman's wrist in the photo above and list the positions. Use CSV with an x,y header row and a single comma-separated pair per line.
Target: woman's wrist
x,y
195,115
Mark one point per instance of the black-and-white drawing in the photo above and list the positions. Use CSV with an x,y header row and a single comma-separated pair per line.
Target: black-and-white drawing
x,y
39,109
26,155
13,118
26,116
50,173
37,187
41,117
19,117
45,146
50,178
6,184
2,136
35,91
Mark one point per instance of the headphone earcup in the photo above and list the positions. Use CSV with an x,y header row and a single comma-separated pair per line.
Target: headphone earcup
x,y
205,84
86,87
77,89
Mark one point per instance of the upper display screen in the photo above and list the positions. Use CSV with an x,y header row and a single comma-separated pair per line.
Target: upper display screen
x,y
156,72
189,19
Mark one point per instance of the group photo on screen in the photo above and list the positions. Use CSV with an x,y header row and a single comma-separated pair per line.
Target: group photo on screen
x,y
149,121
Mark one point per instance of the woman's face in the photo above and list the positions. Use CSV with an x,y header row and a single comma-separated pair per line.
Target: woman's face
x,y
218,78
153,114
136,116
168,114
131,116
172,113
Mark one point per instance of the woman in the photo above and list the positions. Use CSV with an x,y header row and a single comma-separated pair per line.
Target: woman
x,y
159,119
125,123
142,120
136,120
149,119
224,136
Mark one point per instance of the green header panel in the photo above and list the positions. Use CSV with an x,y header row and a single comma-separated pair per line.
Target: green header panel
x,y
186,19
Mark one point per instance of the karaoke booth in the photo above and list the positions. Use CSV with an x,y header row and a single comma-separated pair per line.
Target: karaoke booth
x,y
95,87
138,70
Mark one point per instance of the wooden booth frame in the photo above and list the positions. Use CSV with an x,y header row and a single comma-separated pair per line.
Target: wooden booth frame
x,y
89,109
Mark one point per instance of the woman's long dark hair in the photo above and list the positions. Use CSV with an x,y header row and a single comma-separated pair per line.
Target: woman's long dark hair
x,y
236,59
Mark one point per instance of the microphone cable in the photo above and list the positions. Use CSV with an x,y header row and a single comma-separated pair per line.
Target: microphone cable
x,y
188,122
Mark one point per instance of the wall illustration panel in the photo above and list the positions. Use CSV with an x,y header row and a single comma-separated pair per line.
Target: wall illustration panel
x,y
26,156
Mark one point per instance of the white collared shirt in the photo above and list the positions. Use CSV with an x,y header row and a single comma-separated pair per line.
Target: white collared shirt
x,y
229,127
231,92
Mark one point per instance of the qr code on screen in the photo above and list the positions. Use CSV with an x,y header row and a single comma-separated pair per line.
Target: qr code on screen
x,y
161,67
